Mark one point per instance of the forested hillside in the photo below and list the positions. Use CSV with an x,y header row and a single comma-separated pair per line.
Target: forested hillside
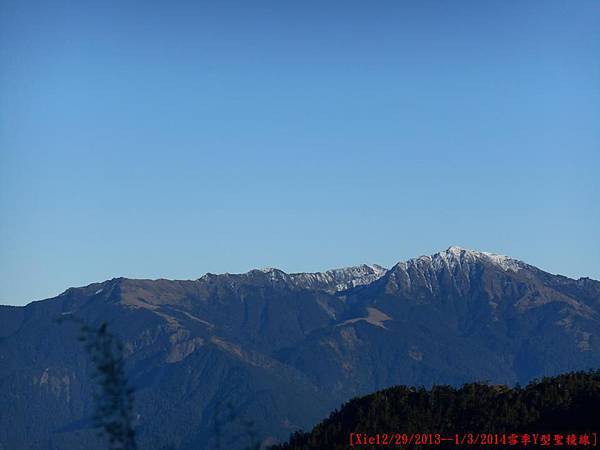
x,y
567,405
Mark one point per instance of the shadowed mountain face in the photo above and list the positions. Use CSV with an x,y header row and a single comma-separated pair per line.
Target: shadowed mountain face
x,y
284,349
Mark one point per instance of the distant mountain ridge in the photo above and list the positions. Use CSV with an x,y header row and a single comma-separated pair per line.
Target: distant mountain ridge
x,y
285,349
331,280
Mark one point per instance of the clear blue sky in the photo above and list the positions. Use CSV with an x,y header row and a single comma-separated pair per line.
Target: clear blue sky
x,y
169,139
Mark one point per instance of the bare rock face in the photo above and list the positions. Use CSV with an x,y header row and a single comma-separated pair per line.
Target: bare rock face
x,y
285,349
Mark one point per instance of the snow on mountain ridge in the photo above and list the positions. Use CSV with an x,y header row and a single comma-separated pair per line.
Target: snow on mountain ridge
x,y
340,279
335,280
345,277
456,256
331,280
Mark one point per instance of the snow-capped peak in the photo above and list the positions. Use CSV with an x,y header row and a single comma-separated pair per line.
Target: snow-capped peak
x,y
455,255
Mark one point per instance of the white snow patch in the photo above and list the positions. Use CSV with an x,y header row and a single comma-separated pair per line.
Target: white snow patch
x,y
456,256
339,279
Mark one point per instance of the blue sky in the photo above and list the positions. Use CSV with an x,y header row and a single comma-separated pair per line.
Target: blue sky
x,y
170,139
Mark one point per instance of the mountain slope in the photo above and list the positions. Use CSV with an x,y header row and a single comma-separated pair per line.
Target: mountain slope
x,y
284,349
564,405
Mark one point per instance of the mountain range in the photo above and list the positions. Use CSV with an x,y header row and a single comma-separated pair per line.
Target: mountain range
x,y
283,350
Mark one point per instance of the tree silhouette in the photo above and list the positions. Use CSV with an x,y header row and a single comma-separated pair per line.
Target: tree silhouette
x,y
113,398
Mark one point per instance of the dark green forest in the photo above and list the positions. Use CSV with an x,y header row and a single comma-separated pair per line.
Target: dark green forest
x,y
568,403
